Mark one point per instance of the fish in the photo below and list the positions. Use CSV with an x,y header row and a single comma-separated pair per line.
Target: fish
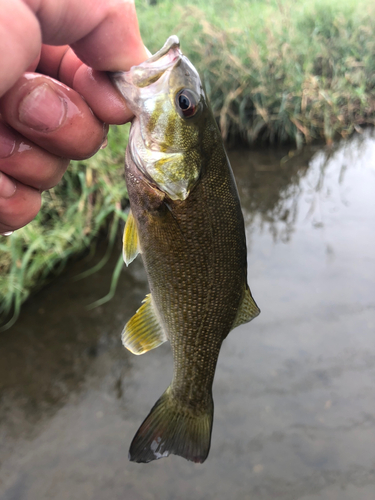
x,y
186,221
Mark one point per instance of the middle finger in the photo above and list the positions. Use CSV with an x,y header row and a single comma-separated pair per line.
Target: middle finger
x,y
53,116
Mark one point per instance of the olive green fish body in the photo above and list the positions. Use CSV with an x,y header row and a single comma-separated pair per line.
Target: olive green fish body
x,y
195,261
189,229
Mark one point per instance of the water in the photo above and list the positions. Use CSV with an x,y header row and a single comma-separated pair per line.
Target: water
x,y
294,389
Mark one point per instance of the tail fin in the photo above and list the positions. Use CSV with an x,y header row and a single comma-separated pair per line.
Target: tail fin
x,y
173,429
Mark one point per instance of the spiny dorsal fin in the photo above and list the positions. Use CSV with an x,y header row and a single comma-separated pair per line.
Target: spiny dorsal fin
x,y
130,240
248,309
143,331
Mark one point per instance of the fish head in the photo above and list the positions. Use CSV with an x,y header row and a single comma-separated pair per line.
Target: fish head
x,y
167,98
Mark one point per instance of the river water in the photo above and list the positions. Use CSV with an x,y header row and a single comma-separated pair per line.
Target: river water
x,y
294,389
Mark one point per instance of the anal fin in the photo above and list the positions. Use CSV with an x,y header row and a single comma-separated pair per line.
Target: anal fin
x,y
143,331
130,240
248,309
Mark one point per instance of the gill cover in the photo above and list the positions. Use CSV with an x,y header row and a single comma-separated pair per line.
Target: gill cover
x,y
166,95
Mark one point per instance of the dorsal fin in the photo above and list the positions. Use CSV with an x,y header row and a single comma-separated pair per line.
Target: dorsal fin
x,y
143,331
248,309
130,240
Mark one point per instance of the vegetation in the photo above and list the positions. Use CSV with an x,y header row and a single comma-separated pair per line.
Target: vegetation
x,y
86,201
275,71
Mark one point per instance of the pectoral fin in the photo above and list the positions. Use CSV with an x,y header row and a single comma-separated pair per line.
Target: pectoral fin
x,y
130,240
143,331
247,311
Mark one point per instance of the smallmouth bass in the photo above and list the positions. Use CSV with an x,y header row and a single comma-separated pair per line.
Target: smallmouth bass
x,y
186,222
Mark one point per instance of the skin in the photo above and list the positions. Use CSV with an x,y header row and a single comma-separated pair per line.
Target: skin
x,y
196,269
55,96
193,248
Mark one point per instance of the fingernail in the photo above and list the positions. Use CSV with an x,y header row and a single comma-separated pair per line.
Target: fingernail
x,y
7,186
7,141
42,110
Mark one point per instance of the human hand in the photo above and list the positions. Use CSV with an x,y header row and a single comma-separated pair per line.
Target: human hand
x,y
59,108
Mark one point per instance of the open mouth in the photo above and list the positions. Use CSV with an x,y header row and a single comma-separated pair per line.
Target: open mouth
x,y
167,54
151,70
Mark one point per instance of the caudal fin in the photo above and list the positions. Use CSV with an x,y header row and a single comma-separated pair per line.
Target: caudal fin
x,y
173,429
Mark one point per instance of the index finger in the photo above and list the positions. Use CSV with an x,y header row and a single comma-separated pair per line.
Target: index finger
x,y
103,33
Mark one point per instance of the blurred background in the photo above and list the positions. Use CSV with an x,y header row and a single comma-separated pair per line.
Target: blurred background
x,y
292,87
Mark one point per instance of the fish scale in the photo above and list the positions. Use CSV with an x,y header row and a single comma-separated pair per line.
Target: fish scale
x,y
192,242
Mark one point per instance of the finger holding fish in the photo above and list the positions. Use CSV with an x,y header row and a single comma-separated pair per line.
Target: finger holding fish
x,y
64,100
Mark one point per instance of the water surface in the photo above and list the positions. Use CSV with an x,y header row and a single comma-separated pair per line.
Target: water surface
x,y
294,389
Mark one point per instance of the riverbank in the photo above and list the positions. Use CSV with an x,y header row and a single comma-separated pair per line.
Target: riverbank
x,y
275,71
86,202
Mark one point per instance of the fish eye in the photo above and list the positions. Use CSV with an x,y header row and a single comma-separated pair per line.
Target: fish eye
x,y
187,103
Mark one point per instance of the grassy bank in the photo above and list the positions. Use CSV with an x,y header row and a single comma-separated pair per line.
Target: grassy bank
x,y
85,202
275,71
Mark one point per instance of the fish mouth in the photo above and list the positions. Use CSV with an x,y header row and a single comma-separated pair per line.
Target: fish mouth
x,y
169,52
150,71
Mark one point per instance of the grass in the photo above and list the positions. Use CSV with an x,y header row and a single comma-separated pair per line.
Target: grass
x,y
276,71
87,201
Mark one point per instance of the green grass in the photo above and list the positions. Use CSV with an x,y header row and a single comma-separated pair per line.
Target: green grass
x,y
275,71
87,201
